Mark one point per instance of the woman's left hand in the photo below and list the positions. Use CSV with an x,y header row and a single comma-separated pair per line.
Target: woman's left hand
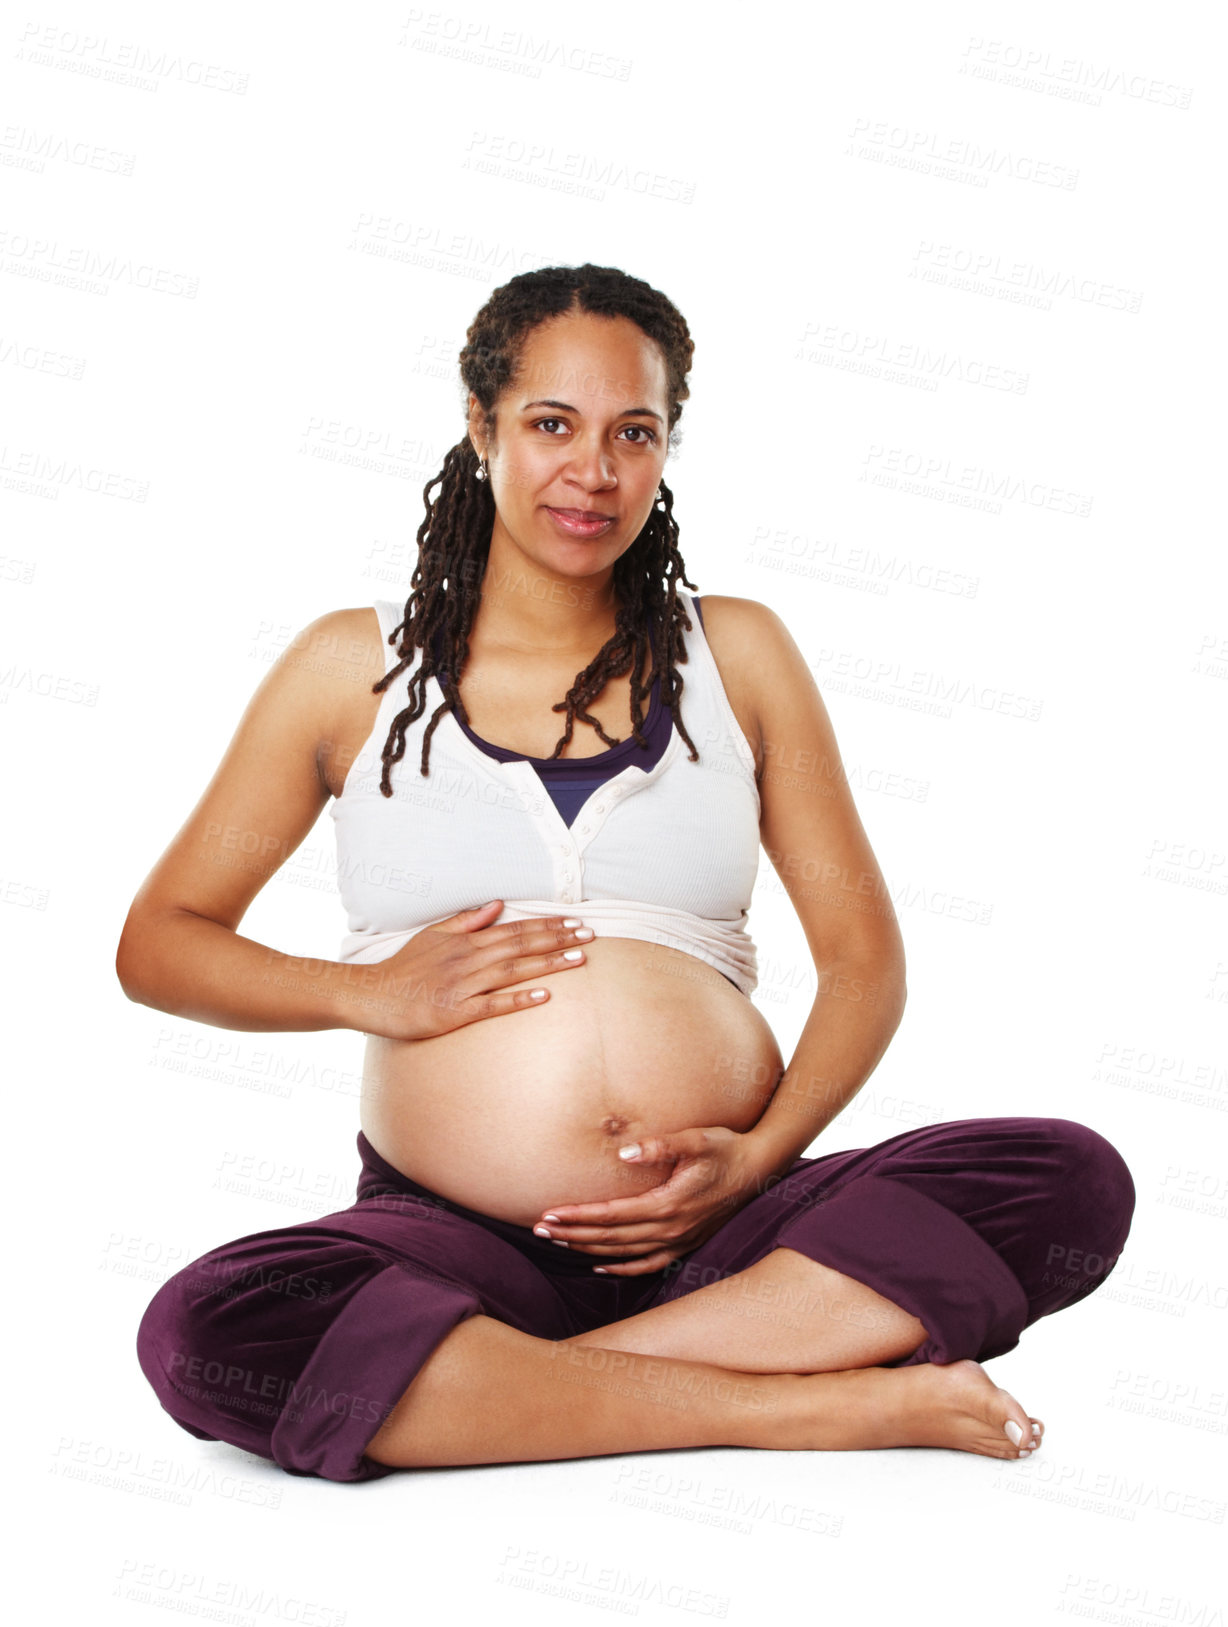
x,y
716,1171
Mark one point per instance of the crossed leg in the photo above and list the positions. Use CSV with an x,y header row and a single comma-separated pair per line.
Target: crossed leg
x,y
683,1374
1035,1215
785,1314
491,1394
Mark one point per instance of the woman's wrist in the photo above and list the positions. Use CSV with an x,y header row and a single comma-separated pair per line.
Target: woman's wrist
x,y
770,1155
358,996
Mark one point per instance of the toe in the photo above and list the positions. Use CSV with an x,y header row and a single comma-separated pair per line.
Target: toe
x,y
1014,1434
1017,1427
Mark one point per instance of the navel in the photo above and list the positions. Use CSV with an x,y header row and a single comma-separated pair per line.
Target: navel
x,y
614,1124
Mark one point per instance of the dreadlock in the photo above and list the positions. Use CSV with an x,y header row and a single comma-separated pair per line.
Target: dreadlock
x,y
454,538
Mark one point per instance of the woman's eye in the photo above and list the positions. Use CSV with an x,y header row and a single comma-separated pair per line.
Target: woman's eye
x,y
648,437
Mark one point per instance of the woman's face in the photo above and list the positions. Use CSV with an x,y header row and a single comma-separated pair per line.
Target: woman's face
x,y
581,431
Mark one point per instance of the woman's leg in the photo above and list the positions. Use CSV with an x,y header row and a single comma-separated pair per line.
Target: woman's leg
x,y
359,1343
351,1345
297,1343
784,1314
491,1394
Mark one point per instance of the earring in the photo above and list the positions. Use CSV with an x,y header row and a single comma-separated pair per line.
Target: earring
x,y
660,498
481,472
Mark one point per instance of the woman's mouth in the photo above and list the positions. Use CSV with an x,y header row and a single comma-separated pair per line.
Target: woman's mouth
x,y
574,522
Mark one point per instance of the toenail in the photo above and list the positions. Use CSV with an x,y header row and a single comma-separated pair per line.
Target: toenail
x,y
1013,1430
1036,1429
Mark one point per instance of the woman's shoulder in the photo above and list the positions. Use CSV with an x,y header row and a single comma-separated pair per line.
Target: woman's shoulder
x,y
329,665
351,641
332,665
737,629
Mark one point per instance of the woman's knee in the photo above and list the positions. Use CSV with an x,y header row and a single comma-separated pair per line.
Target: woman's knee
x,y
1095,1172
224,1341
1088,1205
171,1338
296,1344
194,1349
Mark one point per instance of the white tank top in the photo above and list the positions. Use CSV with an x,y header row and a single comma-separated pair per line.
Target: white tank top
x,y
668,856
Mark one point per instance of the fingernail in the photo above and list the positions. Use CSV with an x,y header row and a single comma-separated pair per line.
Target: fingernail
x,y
1013,1430
559,1243
573,921
555,1218
601,1270
540,1231
629,1152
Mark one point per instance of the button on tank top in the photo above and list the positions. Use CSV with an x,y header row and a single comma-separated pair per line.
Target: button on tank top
x,y
640,843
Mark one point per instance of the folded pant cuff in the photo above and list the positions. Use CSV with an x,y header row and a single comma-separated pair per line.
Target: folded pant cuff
x,y
359,1371
922,1257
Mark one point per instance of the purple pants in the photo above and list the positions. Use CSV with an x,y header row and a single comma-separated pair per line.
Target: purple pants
x,y
296,1343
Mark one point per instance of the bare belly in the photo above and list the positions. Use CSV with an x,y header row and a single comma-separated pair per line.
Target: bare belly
x,y
512,1114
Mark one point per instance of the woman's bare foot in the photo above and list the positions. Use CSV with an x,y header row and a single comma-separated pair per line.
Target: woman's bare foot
x,y
956,1406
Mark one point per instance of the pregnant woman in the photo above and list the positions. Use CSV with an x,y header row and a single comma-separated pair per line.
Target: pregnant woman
x,y
585,1223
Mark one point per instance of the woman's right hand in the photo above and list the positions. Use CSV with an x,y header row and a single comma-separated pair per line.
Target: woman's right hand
x,y
456,971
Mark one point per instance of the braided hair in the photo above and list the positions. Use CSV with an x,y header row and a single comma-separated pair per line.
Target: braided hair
x,y
454,538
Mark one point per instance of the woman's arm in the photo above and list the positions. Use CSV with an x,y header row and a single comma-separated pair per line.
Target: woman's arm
x,y
180,950
194,967
814,838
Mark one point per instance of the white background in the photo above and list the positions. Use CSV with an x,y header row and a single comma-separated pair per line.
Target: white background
x,y
916,276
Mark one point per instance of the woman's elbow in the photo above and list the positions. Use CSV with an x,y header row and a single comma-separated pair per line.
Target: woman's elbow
x,y
136,956
126,964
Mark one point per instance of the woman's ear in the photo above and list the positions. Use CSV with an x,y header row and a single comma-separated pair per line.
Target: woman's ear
x,y
477,437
